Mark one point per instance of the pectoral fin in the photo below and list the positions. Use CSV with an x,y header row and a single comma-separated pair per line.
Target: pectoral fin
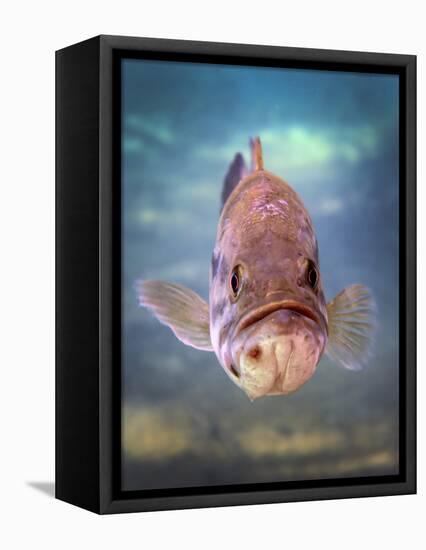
x,y
351,327
181,309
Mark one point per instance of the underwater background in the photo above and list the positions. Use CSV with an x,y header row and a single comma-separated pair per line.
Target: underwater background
x,y
333,137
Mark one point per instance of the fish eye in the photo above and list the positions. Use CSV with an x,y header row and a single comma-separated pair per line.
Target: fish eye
x,y
236,280
312,275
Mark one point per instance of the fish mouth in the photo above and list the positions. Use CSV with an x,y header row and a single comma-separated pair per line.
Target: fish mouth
x,y
256,315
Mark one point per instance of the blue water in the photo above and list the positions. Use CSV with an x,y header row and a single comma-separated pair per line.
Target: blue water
x,y
334,137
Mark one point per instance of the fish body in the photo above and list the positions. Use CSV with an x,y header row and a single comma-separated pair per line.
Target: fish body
x,y
267,319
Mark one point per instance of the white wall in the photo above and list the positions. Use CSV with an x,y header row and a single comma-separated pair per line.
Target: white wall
x,y
29,34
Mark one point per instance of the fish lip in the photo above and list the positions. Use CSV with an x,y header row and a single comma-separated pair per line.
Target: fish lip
x,y
259,313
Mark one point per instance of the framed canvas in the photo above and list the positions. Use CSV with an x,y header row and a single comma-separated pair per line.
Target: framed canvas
x,y
235,269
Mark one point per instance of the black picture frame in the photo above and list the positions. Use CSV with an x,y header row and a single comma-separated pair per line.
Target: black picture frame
x,y
88,280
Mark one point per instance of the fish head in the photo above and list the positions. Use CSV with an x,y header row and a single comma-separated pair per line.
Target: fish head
x,y
268,315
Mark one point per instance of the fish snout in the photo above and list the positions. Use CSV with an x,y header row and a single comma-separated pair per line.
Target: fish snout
x,y
277,355
256,365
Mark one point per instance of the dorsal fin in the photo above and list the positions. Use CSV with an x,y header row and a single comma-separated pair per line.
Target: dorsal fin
x,y
237,170
256,154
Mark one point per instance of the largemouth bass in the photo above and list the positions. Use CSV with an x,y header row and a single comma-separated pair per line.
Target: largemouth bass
x,y
267,319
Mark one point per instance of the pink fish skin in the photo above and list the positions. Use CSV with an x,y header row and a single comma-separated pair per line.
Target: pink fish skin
x,y
267,319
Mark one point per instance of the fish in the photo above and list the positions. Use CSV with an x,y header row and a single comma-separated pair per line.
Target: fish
x,y
267,319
